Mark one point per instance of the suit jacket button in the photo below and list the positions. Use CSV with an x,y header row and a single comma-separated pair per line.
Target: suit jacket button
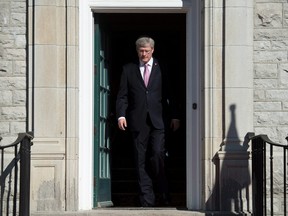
x,y
146,92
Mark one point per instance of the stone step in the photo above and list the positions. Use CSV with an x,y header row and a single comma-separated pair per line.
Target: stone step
x,y
138,212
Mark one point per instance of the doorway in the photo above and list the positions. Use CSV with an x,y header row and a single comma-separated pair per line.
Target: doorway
x,y
169,32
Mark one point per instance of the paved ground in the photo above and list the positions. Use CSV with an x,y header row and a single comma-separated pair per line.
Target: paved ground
x,y
136,212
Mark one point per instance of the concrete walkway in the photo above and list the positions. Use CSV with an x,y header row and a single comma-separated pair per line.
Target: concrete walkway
x,y
136,212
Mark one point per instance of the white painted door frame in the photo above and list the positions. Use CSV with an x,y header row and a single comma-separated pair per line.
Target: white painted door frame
x,y
193,89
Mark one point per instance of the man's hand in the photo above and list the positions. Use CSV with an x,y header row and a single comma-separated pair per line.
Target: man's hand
x,y
175,124
122,124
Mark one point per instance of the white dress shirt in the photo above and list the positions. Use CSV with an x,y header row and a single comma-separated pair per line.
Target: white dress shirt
x,y
149,63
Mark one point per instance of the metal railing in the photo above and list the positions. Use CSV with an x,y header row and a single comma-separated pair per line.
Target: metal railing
x,y
269,176
15,175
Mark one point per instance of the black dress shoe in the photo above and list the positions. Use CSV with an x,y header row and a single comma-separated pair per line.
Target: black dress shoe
x,y
145,204
165,199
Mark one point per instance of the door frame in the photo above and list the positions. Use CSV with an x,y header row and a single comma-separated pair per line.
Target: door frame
x,y
194,121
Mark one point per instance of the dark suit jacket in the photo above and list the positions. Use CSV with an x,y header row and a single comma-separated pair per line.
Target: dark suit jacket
x,y
135,100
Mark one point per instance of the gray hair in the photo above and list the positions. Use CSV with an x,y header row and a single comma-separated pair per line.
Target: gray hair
x,y
143,41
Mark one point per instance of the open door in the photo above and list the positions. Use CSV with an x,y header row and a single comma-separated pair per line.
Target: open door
x,y
115,36
102,176
121,30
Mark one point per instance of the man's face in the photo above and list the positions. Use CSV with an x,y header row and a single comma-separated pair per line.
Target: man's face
x,y
145,53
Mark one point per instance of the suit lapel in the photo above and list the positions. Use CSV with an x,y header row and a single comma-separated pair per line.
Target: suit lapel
x,y
154,71
138,74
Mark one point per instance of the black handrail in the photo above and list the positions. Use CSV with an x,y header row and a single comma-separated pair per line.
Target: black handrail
x,y
259,175
10,173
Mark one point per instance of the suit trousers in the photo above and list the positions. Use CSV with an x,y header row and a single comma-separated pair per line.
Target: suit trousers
x,y
149,150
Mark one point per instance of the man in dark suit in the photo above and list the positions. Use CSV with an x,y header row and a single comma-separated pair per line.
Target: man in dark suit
x,y
142,105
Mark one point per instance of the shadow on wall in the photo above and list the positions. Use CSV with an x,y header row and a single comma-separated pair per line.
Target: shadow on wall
x,y
231,191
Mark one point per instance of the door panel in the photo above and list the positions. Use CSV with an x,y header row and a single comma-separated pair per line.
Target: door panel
x,y
102,178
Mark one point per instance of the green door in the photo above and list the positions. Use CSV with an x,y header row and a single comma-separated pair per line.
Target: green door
x,y
102,179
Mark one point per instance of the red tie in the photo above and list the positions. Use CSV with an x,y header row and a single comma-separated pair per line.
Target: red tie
x,y
146,74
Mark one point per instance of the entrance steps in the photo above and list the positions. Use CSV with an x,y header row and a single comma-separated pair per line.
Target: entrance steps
x,y
138,212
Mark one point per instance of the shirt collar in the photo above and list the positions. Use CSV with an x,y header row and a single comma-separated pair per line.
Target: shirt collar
x,y
150,62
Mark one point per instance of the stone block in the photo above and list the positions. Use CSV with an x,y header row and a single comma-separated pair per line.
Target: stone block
x,y
217,25
285,105
72,3
235,17
49,112
270,118
237,112
285,14
259,94
234,181
52,30
19,97
4,128
48,183
238,3
283,75
2,54
215,77
19,68
265,71
217,112
238,66
72,78
265,83
17,127
11,31
229,3
282,132
18,19
72,111
20,41
278,34
268,15
279,45
5,98
15,54
7,42
4,14
13,113
48,143
262,45
50,3
270,1
217,53
72,26
12,83
281,95
8,139
271,132
18,7
270,56
267,106
50,66
5,68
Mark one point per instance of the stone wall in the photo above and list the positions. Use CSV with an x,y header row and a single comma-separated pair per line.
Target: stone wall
x,y
271,69
271,82
12,69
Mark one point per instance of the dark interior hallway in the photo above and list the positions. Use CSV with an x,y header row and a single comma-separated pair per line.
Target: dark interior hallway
x,y
168,31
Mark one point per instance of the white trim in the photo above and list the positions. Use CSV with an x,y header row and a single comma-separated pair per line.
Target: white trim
x,y
86,89
139,4
85,107
193,123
